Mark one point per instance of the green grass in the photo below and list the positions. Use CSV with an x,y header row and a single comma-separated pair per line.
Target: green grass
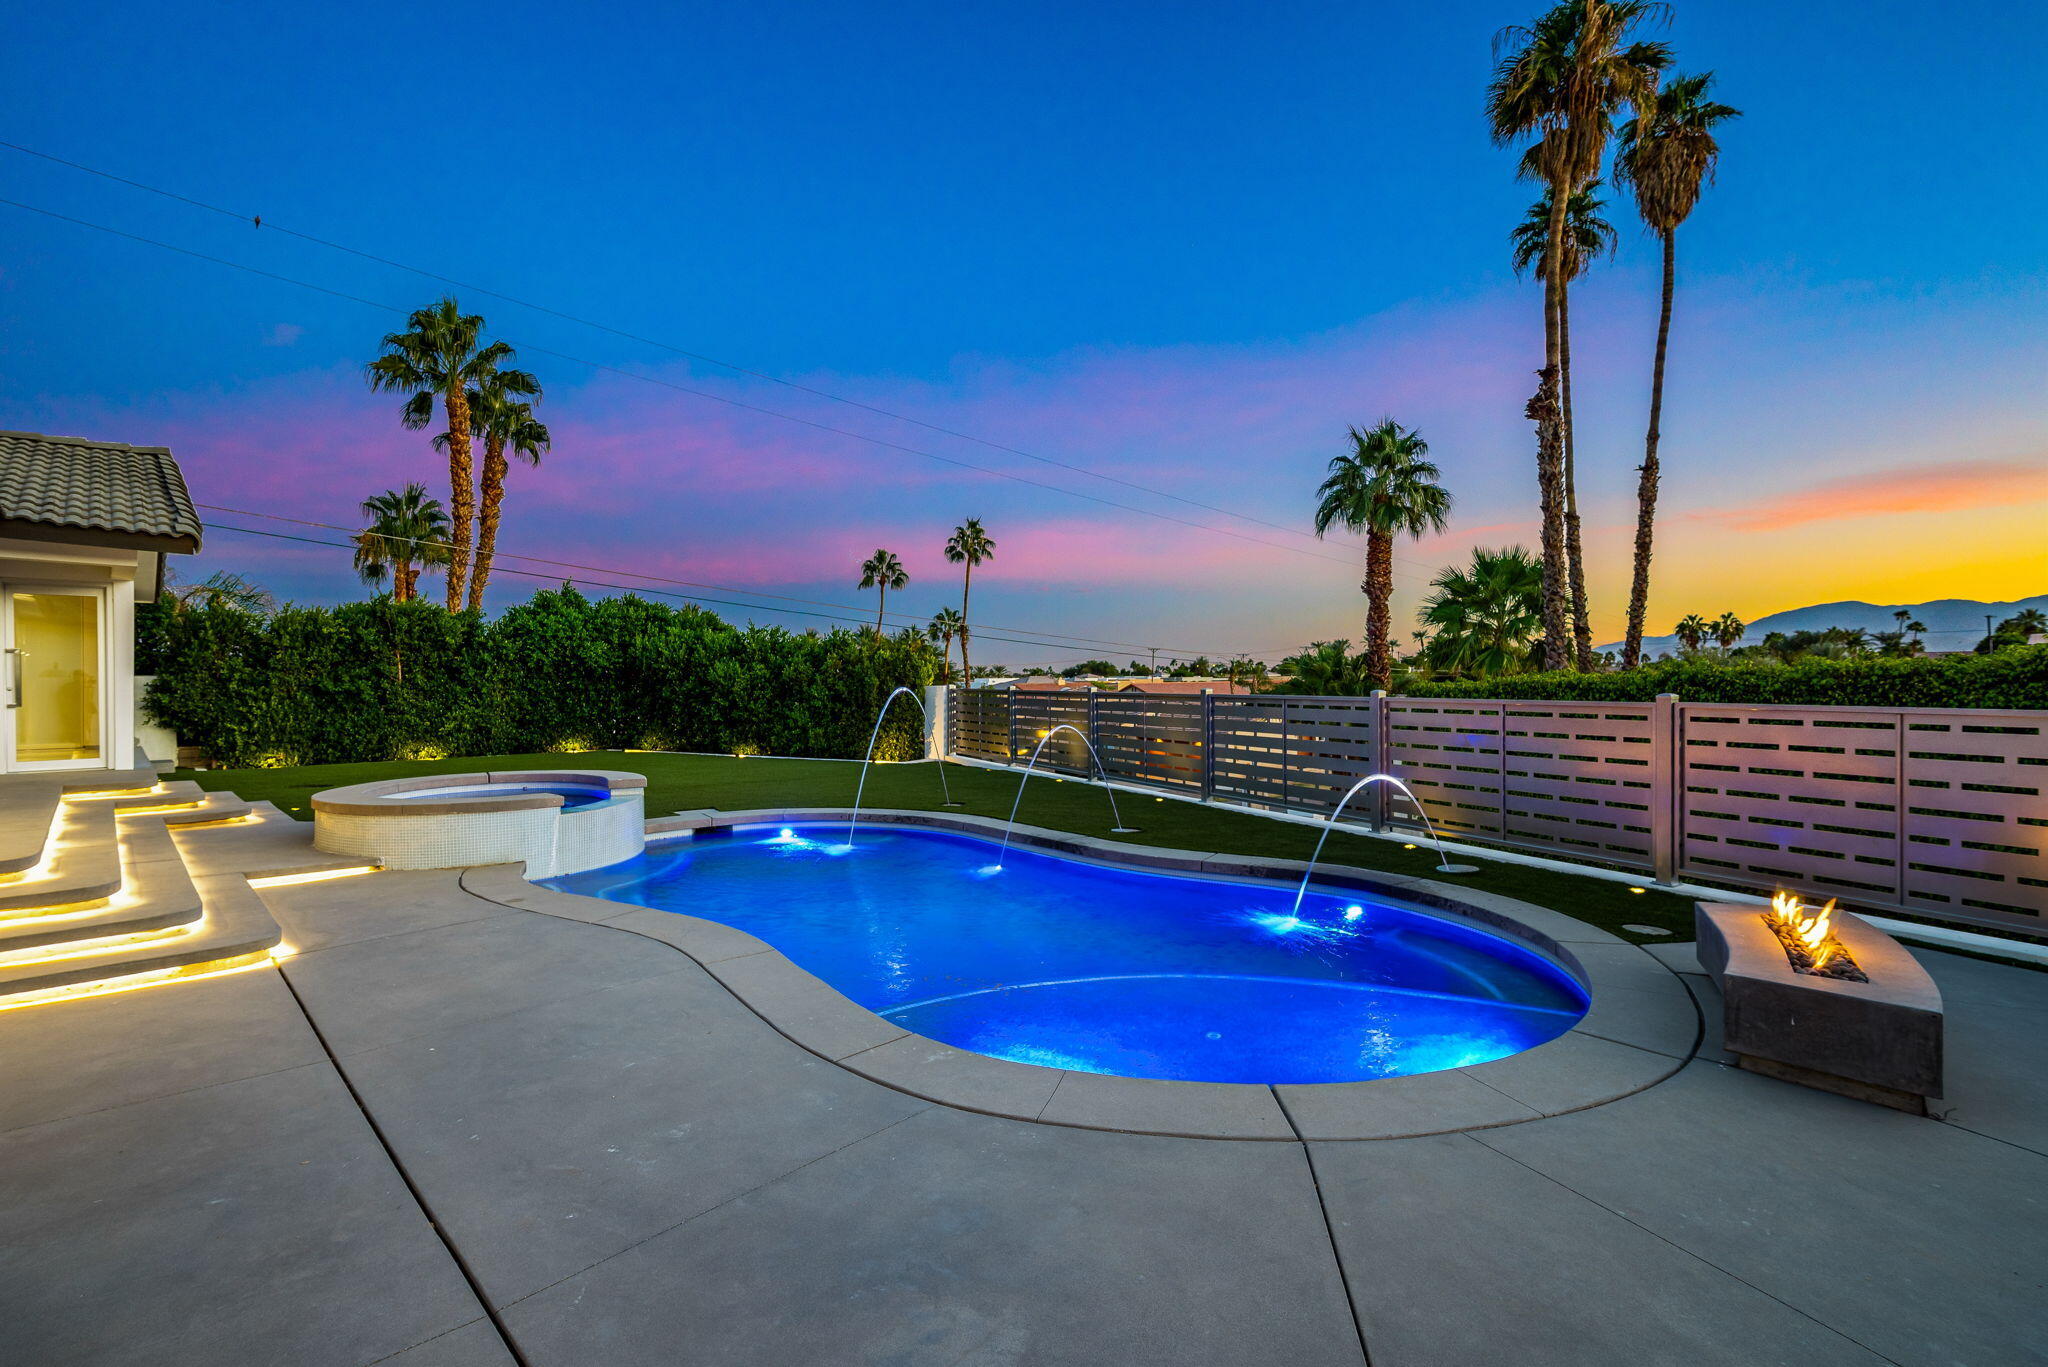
x,y
684,782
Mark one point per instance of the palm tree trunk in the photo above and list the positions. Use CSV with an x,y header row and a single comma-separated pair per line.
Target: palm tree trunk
x,y
461,494
487,519
1544,410
966,584
881,609
1646,487
1582,629
1379,592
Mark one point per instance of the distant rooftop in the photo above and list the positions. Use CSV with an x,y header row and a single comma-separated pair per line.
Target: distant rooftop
x,y
94,493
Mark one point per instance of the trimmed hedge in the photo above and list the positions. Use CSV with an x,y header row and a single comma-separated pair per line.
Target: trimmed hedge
x,y
2015,678
383,680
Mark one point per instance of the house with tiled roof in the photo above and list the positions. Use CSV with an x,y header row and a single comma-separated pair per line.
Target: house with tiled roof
x,y
84,529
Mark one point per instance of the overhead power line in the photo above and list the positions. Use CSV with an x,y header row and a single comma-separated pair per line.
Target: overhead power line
x,y
689,354
657,342
1057,639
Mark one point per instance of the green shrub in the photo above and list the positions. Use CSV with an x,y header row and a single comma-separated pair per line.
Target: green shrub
x,y
2007,679
561,672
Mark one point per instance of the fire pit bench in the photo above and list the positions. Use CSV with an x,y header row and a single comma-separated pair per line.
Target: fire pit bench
x,y
1876,1041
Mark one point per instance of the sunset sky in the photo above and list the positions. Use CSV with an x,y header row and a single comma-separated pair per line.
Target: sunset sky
x,y
1179,246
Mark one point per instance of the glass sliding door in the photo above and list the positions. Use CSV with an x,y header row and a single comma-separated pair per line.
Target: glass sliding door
x,y
54,676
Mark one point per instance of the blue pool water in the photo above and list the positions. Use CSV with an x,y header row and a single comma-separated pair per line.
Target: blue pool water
x,y
1075,965
573,795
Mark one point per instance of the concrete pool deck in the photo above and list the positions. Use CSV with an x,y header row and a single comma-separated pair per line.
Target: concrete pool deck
x,y
449,1124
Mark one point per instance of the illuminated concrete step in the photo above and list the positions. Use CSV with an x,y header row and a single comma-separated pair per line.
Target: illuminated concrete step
x,y
29,803
154,894
162,796
28,808
267,845
102,781
236,930
216,807
83,866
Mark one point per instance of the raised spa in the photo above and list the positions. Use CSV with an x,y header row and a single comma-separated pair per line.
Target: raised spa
x,y
1078,965
551,821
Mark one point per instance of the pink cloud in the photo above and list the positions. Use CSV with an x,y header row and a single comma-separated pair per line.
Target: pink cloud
x,y
1907,489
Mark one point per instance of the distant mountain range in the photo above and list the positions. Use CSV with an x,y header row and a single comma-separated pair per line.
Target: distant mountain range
x,y
1952,623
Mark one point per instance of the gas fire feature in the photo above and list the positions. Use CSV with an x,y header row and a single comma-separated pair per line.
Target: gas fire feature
x,y
1821,997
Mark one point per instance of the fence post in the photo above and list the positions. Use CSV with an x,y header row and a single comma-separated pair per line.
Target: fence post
x,y
1095,738
1667,781
1208,743
937,736
1010,701
1285,759
1376,761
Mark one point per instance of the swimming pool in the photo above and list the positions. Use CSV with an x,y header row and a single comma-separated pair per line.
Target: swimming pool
x,y
1077,965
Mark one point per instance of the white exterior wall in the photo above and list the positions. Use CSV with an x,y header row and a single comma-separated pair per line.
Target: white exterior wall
x,y
29,563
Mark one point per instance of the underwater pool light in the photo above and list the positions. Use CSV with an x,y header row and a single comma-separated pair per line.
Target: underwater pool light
x,y
1353,912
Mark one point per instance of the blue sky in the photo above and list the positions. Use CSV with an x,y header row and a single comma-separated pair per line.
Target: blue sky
x,y
1184,244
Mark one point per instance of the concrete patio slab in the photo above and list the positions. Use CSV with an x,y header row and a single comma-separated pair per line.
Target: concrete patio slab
x,y
935,1071
558,1136
69,1058
506,884
802,1007
1573,1071
1997,1066
1923,1242
1210,1110
1458,1255
708,942
393,987
252,1221
1397,1107
956,1238
344,911
476,1344
1639,1001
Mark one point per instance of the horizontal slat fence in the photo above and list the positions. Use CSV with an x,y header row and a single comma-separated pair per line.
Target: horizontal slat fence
x,y
1935,811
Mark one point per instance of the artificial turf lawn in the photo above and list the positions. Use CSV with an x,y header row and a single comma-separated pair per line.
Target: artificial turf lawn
x,y
688,782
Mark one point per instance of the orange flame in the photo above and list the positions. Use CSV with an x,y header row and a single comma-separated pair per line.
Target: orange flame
x,y
1811,926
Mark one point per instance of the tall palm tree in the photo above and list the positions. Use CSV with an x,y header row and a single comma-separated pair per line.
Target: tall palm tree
x,y
1727,629
1382,487
970,546
1667,154
408,533
1587,236
441,356
883,571
1691,630
1485,617
945,625
1559,81
508,427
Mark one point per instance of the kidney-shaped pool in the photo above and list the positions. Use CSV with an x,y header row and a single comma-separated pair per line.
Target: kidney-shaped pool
x,y
1073,964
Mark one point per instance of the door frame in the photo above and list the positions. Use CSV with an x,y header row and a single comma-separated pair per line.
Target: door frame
x,y
10,663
